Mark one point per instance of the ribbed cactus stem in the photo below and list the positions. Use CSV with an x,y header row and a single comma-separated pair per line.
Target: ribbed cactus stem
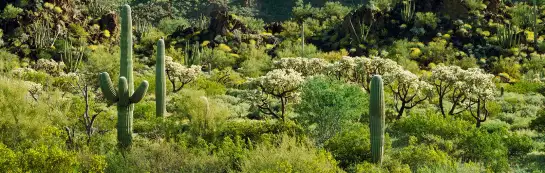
x,y
125,95
160,81
376,123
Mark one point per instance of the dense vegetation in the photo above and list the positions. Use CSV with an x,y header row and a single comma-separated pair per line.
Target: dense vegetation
x,y
272,86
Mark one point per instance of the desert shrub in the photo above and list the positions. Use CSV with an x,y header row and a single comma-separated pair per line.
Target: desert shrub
x,y
255,130
8,61
255,61
165,157
524,86
454,167
169,25
205,114
288,156
10,12
482,146
40,158
519,145
419,125
507,65
427,19
350,146
290,49
326,105
421,155
211,87
255,25
538,124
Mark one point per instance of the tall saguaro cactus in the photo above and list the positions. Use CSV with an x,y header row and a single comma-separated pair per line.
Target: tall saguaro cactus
x,y
160,81
376,123
125,96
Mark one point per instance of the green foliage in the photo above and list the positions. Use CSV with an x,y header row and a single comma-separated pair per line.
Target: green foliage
x,y
255,61
538,124
488,148
288,156
205,114
327,105
169,26
428,19
422,155
289,49
8,61
351,145
10,12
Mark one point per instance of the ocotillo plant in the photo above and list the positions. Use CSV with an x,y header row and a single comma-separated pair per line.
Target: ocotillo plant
x,y
125,95
160,81
376,123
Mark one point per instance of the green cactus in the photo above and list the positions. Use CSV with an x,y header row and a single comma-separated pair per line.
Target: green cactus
x,y
125,96
376,123
160,81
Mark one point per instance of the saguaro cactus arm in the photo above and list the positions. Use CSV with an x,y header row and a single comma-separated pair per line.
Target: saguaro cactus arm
x,y
140,92
107,87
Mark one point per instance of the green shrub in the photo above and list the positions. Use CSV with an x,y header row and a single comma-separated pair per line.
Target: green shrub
x,y
350,146
41,159
10,12
288,156
427,19
326,105
169,25
8,61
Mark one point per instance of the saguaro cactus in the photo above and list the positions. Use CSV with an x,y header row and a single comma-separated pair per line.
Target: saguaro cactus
x,y
160,81
376,123
125,96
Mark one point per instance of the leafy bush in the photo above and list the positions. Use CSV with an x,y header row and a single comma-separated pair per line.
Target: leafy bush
x,y
169,25
350,146
326,105
427,19
8,61
288,156
10,12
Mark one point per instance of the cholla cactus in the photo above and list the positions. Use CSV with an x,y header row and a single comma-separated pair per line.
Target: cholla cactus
x,y
34,89
446,81
177,72
50,67
281,84
360,70
479,90
409,90
305,66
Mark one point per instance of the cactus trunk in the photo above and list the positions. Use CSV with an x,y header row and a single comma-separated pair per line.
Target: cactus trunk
x,y
160,88
125,95
376,123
